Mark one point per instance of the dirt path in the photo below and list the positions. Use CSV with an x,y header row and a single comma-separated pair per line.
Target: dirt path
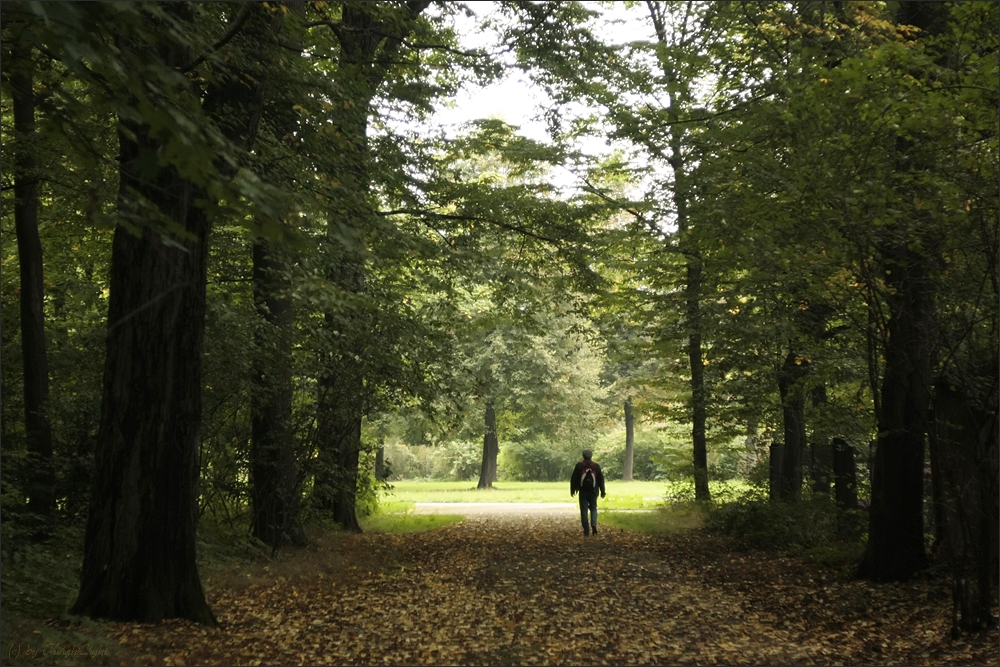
x,y
517,588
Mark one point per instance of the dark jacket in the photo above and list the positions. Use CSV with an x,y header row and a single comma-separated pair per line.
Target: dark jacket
x,y
574,482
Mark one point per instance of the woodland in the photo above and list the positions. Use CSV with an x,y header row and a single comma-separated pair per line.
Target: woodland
x,y
250,279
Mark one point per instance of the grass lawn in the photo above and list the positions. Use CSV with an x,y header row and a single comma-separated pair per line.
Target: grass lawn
x,y
621,495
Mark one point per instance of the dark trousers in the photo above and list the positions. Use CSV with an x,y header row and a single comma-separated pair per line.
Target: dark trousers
x,y
588,503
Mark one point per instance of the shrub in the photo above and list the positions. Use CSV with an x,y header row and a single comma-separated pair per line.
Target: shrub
x,y
537,460
457,460
757,523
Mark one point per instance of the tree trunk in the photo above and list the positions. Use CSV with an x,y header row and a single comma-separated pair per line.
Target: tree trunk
x,y
345,513
793,410
775,455
629,441
275,489
820,451
845,490
139,551
139,560
380,470
274,470
895,549
491,449
844,475
40,483
367,46
966,436
680,96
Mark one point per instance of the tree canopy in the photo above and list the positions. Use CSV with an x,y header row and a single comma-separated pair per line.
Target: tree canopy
x,y
249,256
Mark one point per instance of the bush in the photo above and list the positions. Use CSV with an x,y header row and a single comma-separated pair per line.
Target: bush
x,y
757,523
537,460
457,460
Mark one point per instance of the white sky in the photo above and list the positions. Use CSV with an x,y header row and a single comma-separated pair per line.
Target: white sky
x,y
514,99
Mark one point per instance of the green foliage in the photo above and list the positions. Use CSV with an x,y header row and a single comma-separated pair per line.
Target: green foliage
x,y
754,522
538,460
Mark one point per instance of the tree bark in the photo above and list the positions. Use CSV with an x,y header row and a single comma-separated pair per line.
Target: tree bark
x,y
966,436
139,551
895,549
491,449
820,451
629,441
40,483
273,467
275,488
793,410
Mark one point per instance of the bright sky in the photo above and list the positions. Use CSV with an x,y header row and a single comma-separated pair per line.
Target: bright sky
x,y
514,99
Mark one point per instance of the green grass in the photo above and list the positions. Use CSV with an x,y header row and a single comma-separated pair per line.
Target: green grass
x,y
665,519
621,495
407,522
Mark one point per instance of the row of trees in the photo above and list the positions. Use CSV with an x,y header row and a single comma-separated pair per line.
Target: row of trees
x,y
794,243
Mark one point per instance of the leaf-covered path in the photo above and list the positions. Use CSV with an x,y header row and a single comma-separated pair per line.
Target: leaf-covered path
x,y
532,590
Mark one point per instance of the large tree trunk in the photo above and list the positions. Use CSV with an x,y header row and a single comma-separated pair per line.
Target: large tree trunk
x,y
139,552
139,559
680,98
968,440
40,483
895,549
629,441
491,449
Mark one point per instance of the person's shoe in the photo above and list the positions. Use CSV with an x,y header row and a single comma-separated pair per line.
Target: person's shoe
x,y
586,533
593,529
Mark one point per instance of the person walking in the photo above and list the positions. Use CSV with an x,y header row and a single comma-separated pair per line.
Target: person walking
x,y
587,480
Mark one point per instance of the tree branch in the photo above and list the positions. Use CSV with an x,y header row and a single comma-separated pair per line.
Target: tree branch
x,y
241,18
470,218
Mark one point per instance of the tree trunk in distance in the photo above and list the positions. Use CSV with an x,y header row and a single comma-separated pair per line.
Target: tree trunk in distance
x,y
793,410
820,451
380,472
491,448
629,441
845,489
775,455
345,513
40,483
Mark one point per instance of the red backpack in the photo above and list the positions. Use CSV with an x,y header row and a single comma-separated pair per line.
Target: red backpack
x,y
588,478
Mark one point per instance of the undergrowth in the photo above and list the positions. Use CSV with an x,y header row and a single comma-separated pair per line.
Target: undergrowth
x,y
811,527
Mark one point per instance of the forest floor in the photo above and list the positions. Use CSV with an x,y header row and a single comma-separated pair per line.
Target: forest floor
x,y
528,588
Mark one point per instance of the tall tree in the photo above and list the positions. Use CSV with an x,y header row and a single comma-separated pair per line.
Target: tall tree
x,y
40,487
139,557
275,478
369,37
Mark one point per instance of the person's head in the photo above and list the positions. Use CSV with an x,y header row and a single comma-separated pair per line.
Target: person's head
x,y
587,454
